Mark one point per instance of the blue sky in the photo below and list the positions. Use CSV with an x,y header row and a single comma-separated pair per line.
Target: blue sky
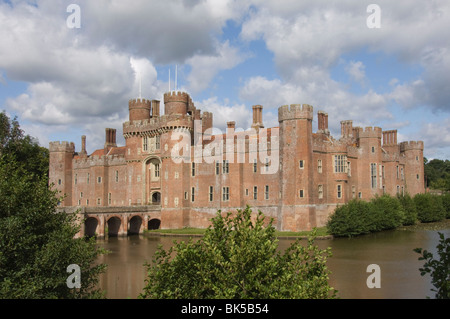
x,y
65,82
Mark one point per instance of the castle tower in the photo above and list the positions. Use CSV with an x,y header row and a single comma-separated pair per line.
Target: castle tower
x,y
139,109
414,166
296,175
176,158
60,169
176,103
370,165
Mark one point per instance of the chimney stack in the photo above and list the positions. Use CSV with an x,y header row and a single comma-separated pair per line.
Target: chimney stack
x,y
257,117
110,139
322,119
347,129
83,146
155,108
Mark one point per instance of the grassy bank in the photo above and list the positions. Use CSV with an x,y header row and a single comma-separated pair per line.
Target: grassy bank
x,y
321,232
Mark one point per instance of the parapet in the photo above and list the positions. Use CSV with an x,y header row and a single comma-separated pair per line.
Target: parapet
x,y
411,145
295,111
369,132
62,147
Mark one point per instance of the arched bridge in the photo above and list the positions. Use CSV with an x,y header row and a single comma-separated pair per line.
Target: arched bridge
x,y
117,221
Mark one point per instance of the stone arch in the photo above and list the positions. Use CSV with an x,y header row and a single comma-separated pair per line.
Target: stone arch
x,y
154,223
114,222
90,226
135,225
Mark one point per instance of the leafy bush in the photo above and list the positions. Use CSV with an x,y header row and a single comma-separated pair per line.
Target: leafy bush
x,y
238,258
409,208
446,204
352,219
439,269
359,217
389,212
429,207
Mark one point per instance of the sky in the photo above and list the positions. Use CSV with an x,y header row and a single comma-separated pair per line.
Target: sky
x,y
68,72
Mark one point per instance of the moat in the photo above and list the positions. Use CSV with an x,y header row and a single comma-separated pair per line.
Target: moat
x,y
391,250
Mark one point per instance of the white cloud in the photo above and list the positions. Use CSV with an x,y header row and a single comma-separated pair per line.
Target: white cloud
x,y
223,113
356,70
206,67
436,137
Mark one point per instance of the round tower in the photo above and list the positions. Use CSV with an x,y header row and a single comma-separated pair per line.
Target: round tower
x,y
296,175
139,109
414,166
176,103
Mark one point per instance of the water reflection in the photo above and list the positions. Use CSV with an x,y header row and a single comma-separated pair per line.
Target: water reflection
x,y
391,250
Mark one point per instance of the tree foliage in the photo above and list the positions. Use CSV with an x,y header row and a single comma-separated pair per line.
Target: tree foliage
x,y
25,148
36,242
439,269
437,174
238,258
359,217
429,207
409,209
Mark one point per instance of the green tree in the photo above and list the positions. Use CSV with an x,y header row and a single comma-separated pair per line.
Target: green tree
x,y
37,243
238,258
439,269
429,207
25,148
437,173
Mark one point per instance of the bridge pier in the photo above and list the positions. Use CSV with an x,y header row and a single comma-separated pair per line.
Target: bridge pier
x,y
115,221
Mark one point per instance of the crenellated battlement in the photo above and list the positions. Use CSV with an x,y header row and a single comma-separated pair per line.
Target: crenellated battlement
x,y
62,147
104,160
369,132
177,96
139,103
295,111
411,145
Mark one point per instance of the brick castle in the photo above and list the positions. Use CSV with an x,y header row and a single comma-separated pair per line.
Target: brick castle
x,y
289,172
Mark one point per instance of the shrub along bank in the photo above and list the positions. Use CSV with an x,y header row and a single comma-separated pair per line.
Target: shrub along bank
x,y
385,212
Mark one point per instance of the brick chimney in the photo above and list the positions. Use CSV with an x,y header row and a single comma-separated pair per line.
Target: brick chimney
x,y
110,139
83,146
257,117
322,119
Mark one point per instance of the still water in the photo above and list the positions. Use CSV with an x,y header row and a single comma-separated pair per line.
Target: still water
x,y
391,250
